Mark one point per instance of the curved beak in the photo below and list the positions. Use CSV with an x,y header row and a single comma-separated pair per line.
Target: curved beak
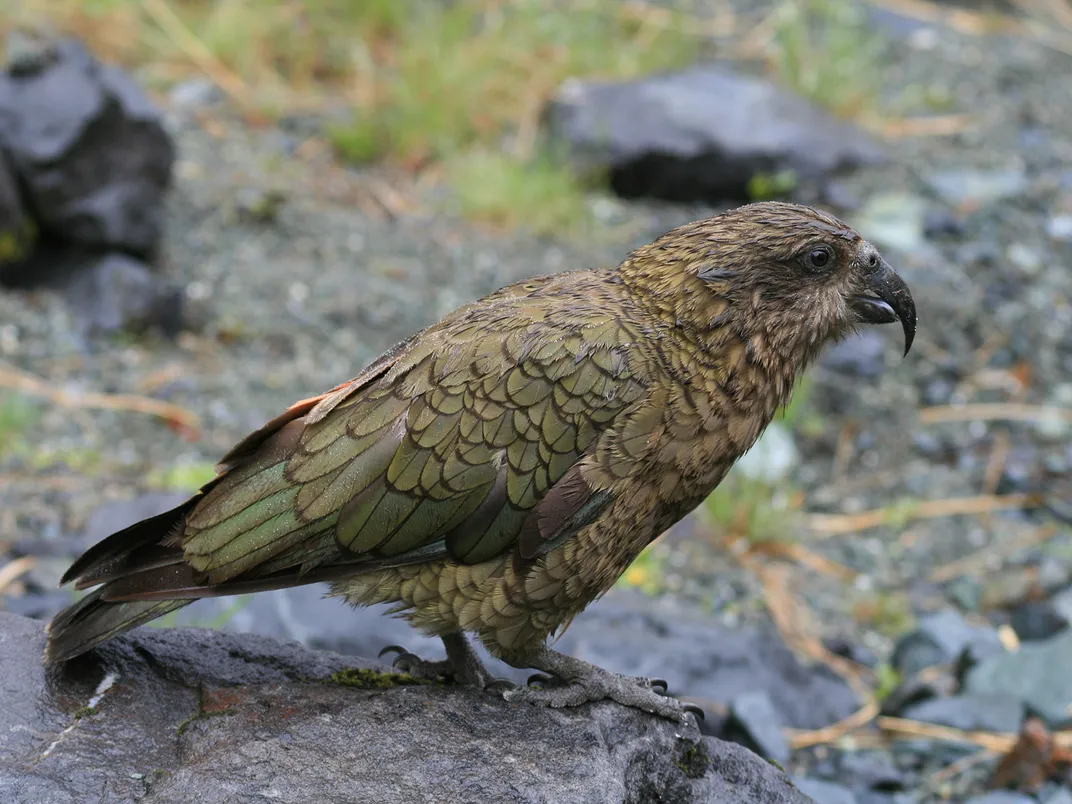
x,y
887,299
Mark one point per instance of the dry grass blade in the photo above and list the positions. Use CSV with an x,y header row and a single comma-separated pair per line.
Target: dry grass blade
x,y
991,741
791,616
184,421
960,766
959,19
981,560
805,557
944,125
196,51
835,731
993,411
840,524
11,571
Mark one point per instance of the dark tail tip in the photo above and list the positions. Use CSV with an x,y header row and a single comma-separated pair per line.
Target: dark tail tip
x,y
89,622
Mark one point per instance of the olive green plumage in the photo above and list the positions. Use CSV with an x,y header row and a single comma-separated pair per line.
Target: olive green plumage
x,y
499,470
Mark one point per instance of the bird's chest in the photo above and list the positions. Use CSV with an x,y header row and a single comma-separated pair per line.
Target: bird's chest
x,y
703,434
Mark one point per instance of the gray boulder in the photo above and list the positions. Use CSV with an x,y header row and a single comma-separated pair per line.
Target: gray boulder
x,y
192,715
701,134
89,149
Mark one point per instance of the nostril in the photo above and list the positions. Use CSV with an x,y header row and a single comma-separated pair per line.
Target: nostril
x,y
873,261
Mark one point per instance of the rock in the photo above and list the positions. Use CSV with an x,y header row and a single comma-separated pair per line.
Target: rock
x,y
916,688
977,187
1059,227
754,723
824,792
625,631
894,221
115,292
863,355
1055,795
702,134
1037,674
939,638
870,771
1061,603
89,150
1001,797
187,715
1036,620
1002,713
194,93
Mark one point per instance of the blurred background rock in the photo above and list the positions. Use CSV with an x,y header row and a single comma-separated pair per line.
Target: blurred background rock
x,y
211,208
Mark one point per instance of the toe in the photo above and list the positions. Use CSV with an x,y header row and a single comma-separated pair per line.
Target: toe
x,y
500,685
401,651
539,680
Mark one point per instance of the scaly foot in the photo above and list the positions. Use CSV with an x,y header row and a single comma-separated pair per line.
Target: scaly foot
x,y
577,682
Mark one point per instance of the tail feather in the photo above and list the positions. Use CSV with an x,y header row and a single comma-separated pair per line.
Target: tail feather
x,y
133,550
91,621
127,549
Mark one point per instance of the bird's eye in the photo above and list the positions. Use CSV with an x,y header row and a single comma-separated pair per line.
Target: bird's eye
x,y
819,257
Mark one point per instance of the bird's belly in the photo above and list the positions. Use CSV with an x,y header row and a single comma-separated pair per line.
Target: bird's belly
x,y
514,607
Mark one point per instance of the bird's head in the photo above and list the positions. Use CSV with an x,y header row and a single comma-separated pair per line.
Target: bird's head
x,y
788,277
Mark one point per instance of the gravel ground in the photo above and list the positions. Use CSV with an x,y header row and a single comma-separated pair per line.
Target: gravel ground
x,y
354,262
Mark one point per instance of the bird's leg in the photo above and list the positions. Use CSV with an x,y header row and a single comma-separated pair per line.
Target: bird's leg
x,y
581,682
462,663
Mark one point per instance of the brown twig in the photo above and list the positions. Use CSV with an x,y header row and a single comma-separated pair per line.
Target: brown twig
x,y
197,52
805,557
978,561
835,731
184,421
993,411
939,125
839,524
991,741
11,571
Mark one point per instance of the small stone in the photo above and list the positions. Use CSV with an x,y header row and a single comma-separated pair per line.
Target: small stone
x,y
1037,620
753,718
893,220
772,458
863,355
870,770
939,638
1002,713
116,292
966,593
1059,227
1025,258
824,792
195,93
1001,797
1037,674
958,187
941,222
1051,794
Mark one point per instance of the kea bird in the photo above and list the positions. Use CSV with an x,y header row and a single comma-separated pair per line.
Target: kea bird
x,y
498,471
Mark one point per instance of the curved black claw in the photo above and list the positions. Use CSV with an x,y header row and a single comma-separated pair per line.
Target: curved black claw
x,y
696,710
539,679
401,651
659,682
500,685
